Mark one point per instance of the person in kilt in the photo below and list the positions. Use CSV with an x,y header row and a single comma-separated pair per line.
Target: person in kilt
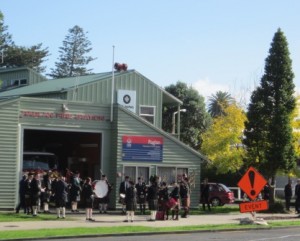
x,y
141,189
104,201
152,197
130,201
88,198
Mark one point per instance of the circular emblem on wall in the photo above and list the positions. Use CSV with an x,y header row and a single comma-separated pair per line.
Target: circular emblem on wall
x,y
126,99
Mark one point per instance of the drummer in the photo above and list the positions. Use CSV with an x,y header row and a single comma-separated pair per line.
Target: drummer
x,y
122,191
104,201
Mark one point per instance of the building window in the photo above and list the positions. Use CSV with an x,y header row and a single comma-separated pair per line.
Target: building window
x,y
148,113
167,174
23,81
137,171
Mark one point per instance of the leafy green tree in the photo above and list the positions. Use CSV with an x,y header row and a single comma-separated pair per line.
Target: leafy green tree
x,y
194,121
222,142
218,103
268,131
73,57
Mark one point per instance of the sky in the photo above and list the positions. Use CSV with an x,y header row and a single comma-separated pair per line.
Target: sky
x,y
213,45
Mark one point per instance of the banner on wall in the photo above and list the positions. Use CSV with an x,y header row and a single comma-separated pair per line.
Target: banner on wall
x,y
127,99
142,148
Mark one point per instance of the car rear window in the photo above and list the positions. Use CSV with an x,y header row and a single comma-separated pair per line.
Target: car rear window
x,y
224,187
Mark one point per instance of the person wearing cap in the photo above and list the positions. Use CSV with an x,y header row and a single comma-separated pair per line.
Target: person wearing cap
x,y
297,196
88,196
104,201
60,188
152,198
141,189
36,188
130,201
122,191
75,190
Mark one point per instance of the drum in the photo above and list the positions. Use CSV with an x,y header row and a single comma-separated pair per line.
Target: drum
x,y
101,188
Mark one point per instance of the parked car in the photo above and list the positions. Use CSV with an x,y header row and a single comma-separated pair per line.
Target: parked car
x,y
219,194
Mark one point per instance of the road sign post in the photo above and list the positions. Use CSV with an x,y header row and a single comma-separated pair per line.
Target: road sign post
x,y
252,183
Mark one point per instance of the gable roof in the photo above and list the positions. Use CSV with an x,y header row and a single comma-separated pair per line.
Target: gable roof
x,y
65,84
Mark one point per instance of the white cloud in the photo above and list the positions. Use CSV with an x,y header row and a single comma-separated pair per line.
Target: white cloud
x,y
207,88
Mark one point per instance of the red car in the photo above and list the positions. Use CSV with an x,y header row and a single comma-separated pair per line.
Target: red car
x,y
219,194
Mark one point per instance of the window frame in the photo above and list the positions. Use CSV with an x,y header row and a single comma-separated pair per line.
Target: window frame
x,y
149,115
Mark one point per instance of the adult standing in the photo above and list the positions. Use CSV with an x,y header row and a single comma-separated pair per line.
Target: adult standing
x,y
297,196
205,195
104,201
88,198
141,190
27,191
288,193
163,198
46,194
61,196
122,191
184,197
36,189
130,200
75,190
152,198
22,187
174,202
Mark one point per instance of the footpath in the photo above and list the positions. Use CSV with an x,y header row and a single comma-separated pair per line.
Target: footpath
x,y
113,219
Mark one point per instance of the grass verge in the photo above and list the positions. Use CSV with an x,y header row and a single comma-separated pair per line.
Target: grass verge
x,y
44,233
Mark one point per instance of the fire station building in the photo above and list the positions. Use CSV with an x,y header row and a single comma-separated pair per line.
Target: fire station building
x,y
106,123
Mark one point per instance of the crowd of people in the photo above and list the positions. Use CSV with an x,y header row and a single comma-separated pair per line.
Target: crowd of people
x,y
37,191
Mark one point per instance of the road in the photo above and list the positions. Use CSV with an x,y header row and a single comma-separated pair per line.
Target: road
x,y
286,234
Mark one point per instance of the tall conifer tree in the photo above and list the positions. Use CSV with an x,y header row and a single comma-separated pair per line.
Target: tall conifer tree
x,y
268,131
73,59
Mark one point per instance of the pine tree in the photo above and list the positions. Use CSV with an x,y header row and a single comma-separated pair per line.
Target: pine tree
x,y
5,37
73,59
268,131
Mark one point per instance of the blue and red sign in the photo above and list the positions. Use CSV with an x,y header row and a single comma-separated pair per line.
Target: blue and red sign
x,y
142,148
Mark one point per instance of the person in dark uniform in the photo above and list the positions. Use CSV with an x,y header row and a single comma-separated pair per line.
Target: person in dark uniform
x,y
88,197
122,191
175,205
46,194
36,188
152,197
141,189
27,191
184,195
104,201
297,196
60,188
22,187
163,197
130,200
288,193
75,190
205,195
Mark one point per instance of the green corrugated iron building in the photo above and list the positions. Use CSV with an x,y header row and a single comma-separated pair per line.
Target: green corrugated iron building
x,y
101,123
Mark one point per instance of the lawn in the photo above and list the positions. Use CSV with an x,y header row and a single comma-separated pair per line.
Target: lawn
x,y
42,233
